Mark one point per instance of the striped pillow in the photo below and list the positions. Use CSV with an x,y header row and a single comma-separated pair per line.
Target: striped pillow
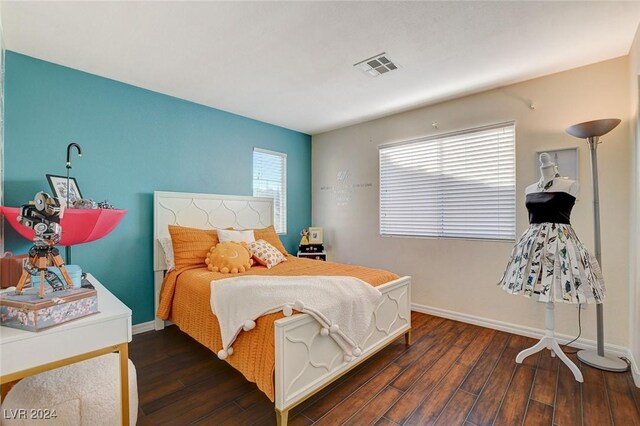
x,y
269,235
191,245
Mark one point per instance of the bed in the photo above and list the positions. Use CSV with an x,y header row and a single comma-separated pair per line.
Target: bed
x,y
298,360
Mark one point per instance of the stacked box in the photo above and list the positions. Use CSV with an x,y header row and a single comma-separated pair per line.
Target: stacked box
x,y
27,311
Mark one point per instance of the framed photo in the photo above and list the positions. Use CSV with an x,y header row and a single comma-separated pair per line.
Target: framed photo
x,y
566,160
59,188
315,235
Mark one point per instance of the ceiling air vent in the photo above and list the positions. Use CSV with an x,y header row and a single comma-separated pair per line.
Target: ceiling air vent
x,y
376,65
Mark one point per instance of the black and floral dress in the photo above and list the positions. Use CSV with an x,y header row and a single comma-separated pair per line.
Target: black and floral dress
x,y
549,262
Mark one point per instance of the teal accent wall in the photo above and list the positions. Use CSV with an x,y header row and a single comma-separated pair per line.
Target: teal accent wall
x,y
134,142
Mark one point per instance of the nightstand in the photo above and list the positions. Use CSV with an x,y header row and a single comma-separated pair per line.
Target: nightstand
x,y
25,353
317,255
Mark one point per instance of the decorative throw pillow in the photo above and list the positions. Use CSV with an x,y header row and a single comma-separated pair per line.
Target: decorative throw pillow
x,y
167,249
191,245
269,235
236,236
265,254
229,257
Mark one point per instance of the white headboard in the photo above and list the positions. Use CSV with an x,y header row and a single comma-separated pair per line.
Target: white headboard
x,y
204,211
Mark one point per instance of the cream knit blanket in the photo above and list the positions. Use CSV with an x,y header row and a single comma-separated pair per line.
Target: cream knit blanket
x,y
343,306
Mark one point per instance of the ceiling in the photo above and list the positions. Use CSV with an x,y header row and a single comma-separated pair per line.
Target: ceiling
x,y
291,63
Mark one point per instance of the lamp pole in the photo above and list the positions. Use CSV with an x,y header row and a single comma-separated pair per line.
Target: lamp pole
x,y
593,150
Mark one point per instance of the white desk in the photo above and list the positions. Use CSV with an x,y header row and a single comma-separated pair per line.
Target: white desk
x,y
25,353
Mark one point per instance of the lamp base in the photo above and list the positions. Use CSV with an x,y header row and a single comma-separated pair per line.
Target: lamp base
x,y
606,363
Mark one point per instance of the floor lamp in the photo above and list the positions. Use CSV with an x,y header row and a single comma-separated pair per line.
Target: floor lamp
x,y
591,131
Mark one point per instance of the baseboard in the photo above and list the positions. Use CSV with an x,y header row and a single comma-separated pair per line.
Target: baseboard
x,y
142,327
635,370
536,333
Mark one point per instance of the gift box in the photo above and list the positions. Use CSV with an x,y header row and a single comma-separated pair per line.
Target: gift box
x,y
11,267
27,311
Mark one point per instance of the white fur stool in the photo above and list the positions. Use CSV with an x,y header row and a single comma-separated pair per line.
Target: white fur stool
x,y
85,393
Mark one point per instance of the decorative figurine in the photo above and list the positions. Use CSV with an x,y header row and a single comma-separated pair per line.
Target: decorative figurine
x,y
305,237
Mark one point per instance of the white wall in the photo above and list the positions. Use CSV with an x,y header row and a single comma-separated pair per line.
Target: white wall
x,y
461,276
634,276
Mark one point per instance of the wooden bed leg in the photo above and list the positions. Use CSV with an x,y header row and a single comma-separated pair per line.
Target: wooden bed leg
x,y
407,338
282,417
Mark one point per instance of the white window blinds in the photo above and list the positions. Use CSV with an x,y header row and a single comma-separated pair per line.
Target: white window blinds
x,y
270,180
456,185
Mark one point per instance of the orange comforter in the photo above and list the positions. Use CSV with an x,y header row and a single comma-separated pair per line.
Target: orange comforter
x,y
185,300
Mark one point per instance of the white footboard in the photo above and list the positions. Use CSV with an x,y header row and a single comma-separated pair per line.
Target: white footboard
x,y
307,361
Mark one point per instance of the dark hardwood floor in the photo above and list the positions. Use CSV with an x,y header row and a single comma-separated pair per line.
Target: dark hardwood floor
x,y
453,374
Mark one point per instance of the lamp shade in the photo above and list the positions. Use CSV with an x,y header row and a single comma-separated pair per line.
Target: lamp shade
x,y
589,129
78,225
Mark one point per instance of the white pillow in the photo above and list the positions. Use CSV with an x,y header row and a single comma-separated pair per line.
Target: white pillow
x,y
236,236
167,249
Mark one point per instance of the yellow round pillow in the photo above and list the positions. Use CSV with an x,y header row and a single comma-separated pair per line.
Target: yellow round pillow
x,y
229,257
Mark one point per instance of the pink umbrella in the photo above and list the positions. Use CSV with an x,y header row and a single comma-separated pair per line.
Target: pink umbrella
x,y
78,225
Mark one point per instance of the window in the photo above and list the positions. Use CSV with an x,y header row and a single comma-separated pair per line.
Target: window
x,y
456,185
270,180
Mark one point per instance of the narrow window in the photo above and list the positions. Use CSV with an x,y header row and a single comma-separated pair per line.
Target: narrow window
x,y
270,180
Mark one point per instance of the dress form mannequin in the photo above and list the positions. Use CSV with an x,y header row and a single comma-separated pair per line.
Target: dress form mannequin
x,y
551,181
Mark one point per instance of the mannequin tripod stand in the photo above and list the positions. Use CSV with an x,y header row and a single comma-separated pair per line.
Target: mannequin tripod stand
x,y
550,342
